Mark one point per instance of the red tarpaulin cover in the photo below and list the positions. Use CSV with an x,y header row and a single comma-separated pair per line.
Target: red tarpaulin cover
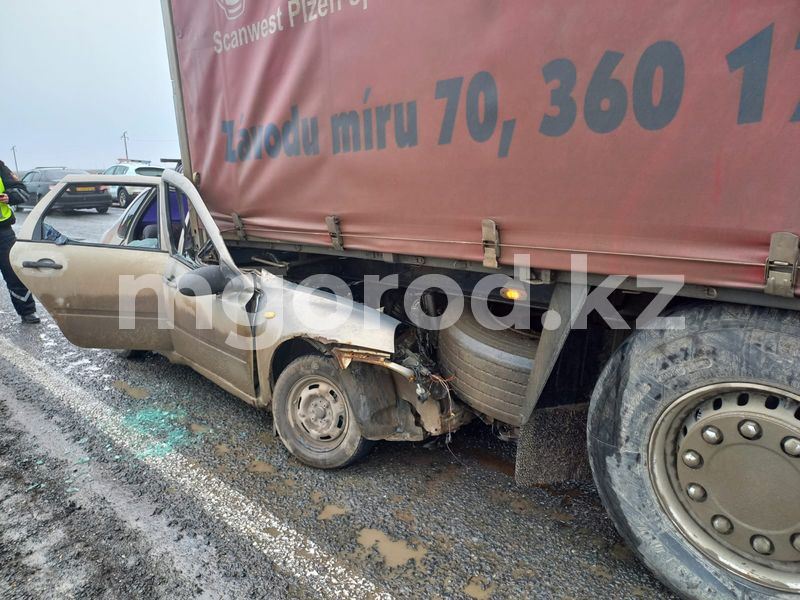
x,y
658,137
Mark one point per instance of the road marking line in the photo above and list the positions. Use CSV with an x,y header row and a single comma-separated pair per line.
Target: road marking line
x,y
292,552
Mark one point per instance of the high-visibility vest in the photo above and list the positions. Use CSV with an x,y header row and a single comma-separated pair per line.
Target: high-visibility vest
x,y
5,209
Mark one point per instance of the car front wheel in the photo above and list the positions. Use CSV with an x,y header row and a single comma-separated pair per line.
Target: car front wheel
x,y
314,414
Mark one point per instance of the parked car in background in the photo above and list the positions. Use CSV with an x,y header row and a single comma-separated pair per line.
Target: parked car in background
x,y
126,193
41,180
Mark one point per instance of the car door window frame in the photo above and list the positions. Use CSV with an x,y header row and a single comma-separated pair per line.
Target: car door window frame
x,y
210,231
139,207
38,230
209,227
166,215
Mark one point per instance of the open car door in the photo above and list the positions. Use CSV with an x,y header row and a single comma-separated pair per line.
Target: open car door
x,y
101,295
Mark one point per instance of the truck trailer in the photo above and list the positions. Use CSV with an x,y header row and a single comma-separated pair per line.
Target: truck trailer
x,y
402,216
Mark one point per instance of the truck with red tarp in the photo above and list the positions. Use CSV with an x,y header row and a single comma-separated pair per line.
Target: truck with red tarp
x,y
539,203
632,138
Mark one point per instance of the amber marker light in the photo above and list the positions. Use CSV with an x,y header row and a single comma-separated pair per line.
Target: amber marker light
x,y
513,294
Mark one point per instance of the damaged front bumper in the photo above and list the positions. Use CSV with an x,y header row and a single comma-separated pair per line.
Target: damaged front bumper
x,y
433,408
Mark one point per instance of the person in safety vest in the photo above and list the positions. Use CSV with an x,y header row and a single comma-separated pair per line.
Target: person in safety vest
x,y
13,192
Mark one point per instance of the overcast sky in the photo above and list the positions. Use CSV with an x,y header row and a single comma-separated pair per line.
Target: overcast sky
x,y
76,74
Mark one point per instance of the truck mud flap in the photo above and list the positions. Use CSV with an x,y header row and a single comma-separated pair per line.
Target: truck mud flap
x,y
552,446
552,441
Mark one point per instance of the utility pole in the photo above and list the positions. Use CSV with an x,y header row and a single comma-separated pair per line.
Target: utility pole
x,y
125,139
14,152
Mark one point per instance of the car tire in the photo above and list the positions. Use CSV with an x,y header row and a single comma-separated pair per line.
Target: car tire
x,y
102,209
490,369
314,414
123,197
665,391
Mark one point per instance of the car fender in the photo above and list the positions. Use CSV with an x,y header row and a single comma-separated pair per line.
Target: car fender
x,y
285,311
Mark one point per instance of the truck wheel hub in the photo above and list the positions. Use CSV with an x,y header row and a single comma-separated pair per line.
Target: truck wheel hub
x,y
319,413
731,477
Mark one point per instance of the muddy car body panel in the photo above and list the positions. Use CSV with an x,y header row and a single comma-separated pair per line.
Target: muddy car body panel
x,y
286,312
64,277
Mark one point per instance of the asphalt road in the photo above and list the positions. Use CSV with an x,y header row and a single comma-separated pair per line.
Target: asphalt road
x,y
140,479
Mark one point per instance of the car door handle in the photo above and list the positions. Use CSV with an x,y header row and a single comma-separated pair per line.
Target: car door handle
x,y
42,263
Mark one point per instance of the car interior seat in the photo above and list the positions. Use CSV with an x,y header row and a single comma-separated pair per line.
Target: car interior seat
x,y
150,232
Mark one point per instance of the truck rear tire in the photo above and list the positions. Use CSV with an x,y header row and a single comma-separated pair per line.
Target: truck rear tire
x,y
314,414
694,443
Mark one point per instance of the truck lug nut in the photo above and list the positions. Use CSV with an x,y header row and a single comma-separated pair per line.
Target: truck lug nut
x,y
796,541
791,445
712,435
722,524
696,492
692,459
762,545
750,430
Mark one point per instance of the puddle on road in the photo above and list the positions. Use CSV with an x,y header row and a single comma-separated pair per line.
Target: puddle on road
x,y
479,589
394,553
602,572
137,393
437,480
568,494
221,450
330,511
522,505
490,460
283,487
405,517
621,552
524,573
259,466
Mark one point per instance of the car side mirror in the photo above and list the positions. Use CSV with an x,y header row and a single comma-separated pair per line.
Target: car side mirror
x,y
205,281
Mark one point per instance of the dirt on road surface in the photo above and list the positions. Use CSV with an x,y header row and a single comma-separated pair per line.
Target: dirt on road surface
x,y
140,479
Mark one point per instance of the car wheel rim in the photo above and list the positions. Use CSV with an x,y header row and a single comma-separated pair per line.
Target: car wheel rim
x,y
725,465
318,413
